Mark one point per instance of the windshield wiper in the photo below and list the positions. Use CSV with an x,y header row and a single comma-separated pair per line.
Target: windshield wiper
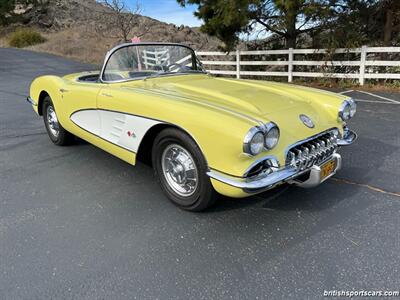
x,y
197,71
158,74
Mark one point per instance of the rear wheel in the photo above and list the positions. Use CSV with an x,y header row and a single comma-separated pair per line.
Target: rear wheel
x,y
58,135
181,170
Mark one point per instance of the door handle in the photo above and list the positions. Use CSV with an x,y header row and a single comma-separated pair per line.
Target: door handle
x,y
64,90
107,95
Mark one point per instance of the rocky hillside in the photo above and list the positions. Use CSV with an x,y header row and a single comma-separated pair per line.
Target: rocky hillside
x,y
71,28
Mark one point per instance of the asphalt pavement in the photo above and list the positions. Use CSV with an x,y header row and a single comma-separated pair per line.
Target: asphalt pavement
x,y
78,223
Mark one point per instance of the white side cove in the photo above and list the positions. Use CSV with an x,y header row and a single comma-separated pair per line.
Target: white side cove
x,y
124,130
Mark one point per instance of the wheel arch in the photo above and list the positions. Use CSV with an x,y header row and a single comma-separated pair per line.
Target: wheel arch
x,y
44,86
42,95
146,145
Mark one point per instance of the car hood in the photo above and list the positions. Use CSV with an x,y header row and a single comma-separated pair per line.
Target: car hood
x,y
253,98
244,96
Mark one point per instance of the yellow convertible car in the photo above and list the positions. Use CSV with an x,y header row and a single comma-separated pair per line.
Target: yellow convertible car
x,y
203,135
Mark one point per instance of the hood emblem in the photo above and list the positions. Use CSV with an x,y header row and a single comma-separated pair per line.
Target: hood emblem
x,y
307,121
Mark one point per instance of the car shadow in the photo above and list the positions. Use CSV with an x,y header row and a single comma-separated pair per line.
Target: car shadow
x,y
285,197
269,218
291,198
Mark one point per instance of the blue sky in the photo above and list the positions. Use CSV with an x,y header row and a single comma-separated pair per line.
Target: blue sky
x,y
168,11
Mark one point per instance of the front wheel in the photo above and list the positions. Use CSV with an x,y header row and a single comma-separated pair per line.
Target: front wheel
x,y
181,169
57,134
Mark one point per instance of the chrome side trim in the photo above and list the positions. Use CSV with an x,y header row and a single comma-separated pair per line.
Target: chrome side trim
x,y
348,138
31,101
144,117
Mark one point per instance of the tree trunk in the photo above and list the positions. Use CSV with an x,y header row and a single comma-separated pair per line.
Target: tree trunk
x,y
291,41
292,10
388,29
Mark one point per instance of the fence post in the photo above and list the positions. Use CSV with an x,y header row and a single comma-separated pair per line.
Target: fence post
x,y
362,64
290,65
238,64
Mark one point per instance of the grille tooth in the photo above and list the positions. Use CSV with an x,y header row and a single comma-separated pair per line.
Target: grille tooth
x,y
308,154
312,154
323,147
299,159
291,158
327,142
314,151
327,147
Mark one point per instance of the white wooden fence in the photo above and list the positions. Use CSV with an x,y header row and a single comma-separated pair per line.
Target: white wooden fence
x,y
152,58
234,59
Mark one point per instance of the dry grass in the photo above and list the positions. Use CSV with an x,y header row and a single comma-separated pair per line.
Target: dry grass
x,y
4,34
25,37
81,41
76,43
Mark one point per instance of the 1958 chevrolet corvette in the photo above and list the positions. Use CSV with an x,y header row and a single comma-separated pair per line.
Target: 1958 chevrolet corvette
x,y
202,134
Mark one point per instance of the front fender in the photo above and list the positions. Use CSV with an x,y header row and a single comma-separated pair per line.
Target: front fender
x,y
46,85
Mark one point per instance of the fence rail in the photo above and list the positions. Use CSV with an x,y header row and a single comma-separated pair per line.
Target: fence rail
x,y
289,63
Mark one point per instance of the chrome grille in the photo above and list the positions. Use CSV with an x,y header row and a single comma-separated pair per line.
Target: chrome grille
x,y
312,152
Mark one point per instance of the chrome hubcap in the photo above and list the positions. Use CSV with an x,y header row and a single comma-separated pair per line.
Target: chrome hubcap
x,y
179,170
52,121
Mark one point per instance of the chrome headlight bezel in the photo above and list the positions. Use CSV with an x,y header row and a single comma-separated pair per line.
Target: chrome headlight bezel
x,y
255,133
353,109
249,139
347,109
270,128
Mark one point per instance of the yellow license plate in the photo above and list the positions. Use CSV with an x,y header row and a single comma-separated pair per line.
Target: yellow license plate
x,y
328,168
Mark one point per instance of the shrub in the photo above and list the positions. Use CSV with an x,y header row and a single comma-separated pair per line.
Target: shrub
x,y
24,38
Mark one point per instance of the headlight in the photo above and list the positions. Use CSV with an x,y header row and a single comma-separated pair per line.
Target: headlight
x,y
336,133
353,108
347,110
271,135
254,141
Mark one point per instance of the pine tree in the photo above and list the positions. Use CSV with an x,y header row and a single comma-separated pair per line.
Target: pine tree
x,y
227,19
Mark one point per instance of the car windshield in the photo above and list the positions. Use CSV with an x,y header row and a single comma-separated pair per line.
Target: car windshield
x,y
142,61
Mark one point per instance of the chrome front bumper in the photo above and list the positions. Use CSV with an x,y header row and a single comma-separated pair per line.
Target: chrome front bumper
x,y
288,174
315,177
348,137
284,175
31,101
